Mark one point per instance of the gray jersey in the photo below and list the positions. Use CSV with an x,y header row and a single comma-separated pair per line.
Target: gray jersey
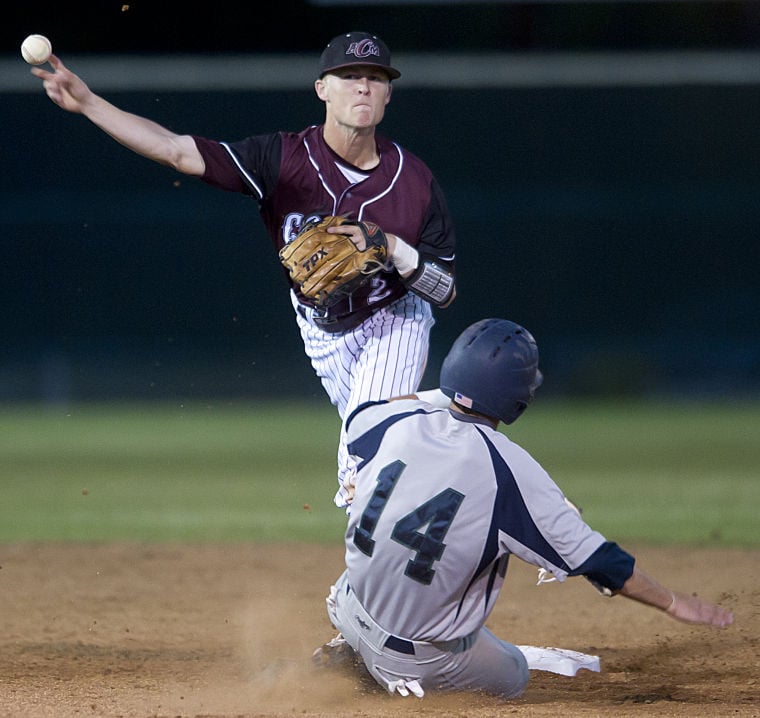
x,y
441,502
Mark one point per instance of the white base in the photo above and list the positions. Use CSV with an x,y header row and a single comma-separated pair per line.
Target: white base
x,y
559,660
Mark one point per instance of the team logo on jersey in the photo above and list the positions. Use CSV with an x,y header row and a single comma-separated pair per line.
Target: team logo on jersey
x,y
363,48
294,223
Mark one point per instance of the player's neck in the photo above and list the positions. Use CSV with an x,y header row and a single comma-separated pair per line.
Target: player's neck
x,y
358,148
493,422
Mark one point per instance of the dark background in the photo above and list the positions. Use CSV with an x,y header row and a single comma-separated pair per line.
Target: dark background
x,y
619,224
105,26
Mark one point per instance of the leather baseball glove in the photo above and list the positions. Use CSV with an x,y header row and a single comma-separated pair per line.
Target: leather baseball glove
x,y
327,267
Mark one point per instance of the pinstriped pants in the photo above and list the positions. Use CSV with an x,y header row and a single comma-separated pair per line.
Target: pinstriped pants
x,y
385,356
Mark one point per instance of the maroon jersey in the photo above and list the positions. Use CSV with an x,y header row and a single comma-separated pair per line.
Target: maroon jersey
x,y
295,177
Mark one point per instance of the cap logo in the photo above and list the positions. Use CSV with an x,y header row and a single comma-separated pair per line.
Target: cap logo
x,y
363,48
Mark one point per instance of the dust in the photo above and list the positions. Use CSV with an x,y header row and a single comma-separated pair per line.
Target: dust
x,y
227,631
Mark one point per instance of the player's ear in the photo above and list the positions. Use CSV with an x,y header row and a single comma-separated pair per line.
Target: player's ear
x,y
320,87
388,95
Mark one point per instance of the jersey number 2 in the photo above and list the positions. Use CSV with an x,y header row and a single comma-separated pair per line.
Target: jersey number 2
x,y
434,516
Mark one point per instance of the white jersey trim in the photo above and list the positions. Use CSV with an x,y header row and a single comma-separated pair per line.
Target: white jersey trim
x,y
390,185
248,177
322,180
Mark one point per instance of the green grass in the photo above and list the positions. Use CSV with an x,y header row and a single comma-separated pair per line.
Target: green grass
x,y
683,472
163,473
661,473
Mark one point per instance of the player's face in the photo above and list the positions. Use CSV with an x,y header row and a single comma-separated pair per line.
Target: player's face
x,y
355,96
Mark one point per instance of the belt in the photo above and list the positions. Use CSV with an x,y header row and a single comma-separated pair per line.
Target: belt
x,y
358,620
336,324
399,644
456,645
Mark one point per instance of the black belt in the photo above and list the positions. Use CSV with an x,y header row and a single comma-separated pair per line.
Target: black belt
x,y
454,645
337,324
399,644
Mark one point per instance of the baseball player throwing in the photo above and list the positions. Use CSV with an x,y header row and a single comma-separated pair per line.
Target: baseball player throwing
x,y
374,343
443,499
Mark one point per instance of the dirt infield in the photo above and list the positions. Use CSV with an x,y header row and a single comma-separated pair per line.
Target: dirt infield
x,y
227,631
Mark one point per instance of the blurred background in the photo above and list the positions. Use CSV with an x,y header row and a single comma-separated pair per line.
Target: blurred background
x,y
601,161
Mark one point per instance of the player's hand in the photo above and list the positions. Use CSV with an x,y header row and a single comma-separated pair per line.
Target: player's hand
x,y
362,234
353,232
691,609
62,86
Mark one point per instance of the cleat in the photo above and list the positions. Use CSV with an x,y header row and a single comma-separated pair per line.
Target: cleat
x,y
335,654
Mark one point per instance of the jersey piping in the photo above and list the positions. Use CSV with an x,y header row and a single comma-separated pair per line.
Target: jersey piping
x,y
318,170
367,444
511,510
243,172
390,186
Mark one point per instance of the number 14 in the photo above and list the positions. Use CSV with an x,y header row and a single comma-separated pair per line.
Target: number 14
x,y
435,516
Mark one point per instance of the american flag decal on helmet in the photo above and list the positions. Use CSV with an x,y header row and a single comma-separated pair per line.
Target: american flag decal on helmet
x,y
463,400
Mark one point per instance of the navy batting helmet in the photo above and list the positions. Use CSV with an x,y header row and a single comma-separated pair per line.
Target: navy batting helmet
x,y
492,368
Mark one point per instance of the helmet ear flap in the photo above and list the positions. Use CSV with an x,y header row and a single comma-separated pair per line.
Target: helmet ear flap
x,y
520,407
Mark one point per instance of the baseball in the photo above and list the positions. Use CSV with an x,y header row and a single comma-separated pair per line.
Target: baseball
x,y
36,49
